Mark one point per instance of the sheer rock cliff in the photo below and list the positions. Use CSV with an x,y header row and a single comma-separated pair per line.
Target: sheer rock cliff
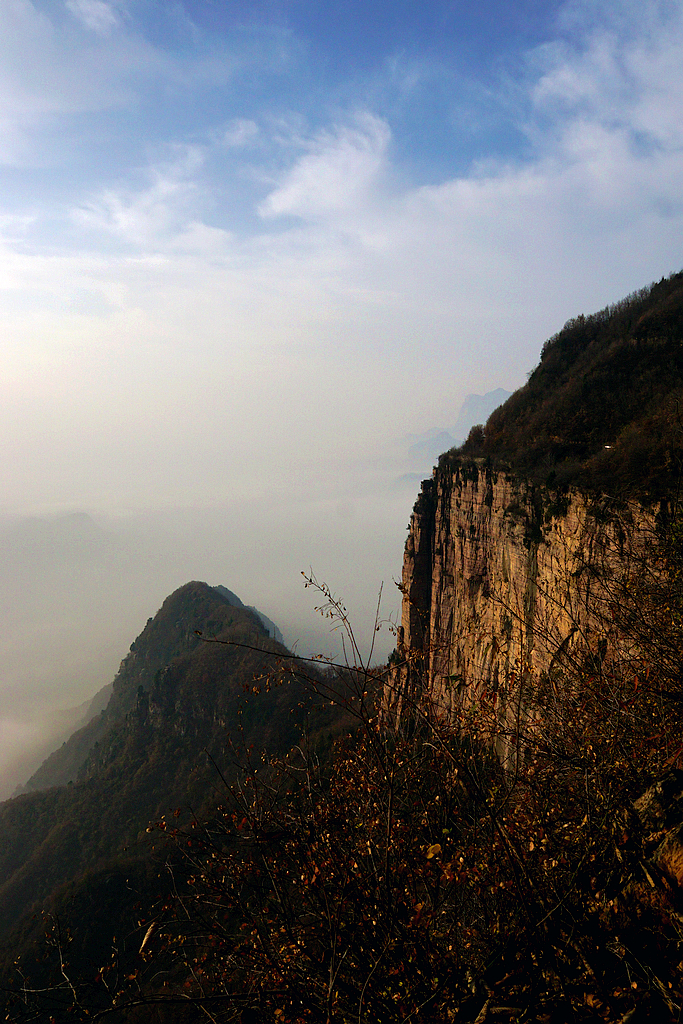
x,y
504,582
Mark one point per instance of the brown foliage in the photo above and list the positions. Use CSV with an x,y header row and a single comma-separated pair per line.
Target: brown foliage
x,y
411,877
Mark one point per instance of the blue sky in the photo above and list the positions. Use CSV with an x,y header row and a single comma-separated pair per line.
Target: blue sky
x,y
248,248
311,228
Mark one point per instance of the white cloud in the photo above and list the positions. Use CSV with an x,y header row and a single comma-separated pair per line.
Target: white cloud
x,y
629,81
605,120
340,171
154,215
379,304
51,69
94,14
200,238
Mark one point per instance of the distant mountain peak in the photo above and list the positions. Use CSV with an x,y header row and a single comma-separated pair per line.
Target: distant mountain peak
x,y
175,700
193,608
427,447
477,409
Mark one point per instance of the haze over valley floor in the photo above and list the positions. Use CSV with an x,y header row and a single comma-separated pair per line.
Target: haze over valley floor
x,y
75,588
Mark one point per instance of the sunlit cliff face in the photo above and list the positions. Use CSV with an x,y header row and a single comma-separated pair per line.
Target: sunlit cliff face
x,y
506,587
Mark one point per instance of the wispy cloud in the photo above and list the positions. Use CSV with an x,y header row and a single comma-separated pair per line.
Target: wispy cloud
x,y
349,272
53,67
631,83
154,214
96,15
240,132
341,168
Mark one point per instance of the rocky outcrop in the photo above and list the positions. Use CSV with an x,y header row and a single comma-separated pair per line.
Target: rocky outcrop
x,y
504,582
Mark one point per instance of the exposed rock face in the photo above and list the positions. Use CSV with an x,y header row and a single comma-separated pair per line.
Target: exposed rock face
x,y
659,812
501,581
662,804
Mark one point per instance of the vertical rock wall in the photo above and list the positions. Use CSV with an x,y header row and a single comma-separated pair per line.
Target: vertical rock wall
x,y
501,585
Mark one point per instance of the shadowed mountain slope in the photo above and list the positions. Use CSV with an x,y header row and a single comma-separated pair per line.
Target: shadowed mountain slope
x,y
182,713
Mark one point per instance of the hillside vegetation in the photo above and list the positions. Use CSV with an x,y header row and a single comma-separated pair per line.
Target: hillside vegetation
x,y
602,410
330,864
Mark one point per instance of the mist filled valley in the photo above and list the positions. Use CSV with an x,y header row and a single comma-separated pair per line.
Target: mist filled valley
x,y
76,589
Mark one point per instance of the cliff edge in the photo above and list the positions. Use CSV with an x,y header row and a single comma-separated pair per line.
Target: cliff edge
x,y
524,547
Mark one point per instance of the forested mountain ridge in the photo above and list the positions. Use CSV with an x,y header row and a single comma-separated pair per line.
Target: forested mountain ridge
x,y
602,410
171,633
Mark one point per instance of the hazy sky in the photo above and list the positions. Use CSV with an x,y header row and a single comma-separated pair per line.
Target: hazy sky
x,y
245,247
